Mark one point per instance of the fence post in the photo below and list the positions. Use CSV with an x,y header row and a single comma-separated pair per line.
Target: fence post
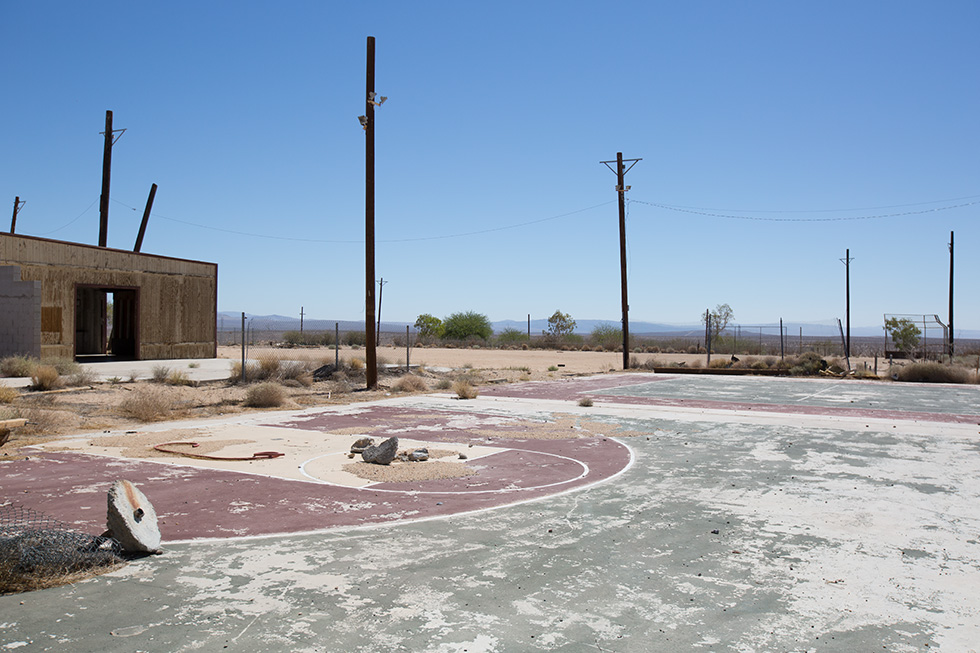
x,y
336,346
781,348
408,350
243,347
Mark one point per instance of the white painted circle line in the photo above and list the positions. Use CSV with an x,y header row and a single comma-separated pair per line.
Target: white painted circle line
x,y
374,488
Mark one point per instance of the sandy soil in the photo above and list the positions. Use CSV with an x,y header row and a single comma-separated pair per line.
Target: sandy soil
x,y
108,407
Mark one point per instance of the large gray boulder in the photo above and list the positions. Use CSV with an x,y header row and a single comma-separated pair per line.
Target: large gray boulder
x,y
381,454
132,520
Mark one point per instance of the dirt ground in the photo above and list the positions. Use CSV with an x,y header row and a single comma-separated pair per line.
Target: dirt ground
x,y
128,405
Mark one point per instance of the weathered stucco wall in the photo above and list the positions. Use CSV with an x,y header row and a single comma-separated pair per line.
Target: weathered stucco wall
x,y
177,298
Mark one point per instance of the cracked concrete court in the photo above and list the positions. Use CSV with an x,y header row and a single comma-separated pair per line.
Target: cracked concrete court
x,y
690,513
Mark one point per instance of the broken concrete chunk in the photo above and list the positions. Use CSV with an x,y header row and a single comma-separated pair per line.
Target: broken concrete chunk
x,y
361,445
381,454
132,520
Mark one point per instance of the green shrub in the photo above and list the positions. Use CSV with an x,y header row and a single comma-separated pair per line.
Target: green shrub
x,y
467,325
606,337
511,336
932,372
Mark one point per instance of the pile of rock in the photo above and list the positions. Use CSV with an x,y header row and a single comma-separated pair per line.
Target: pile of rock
x,y
386,452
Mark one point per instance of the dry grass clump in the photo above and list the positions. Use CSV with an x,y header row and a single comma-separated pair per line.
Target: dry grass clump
x,y
45,377
80,378
178,377
296,371
353,363
18,366
585,402
65,366
932,372
148,404
8,395
410,383
160,373
265,395
464,390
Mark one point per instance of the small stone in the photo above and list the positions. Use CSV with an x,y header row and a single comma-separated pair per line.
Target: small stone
x,y
381,454
463,456
715,532
361,445
418,455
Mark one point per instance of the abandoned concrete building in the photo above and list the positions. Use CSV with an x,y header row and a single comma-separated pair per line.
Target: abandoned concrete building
x,y
55,300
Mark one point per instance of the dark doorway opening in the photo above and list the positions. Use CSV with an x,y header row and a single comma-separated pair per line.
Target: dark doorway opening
x,y
106,323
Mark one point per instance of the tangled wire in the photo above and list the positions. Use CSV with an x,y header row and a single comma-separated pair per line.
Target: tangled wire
x,y
37,551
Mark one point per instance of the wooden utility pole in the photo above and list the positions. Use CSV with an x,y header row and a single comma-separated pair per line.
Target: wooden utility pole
x,y
951,349
301,318
13,220
146,218
621,189
847,300
106,170
370,344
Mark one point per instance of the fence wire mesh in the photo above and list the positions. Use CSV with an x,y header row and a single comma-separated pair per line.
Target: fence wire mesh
x,y
37,551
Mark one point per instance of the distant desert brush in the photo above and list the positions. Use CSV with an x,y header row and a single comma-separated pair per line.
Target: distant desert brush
x,y
265,395
464,390
585,402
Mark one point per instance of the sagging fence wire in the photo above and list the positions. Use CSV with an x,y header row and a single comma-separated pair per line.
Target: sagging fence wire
x,y
38,551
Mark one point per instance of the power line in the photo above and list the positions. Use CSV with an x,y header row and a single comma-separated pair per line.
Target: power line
x,y
393,240
72,221
834,219
850,210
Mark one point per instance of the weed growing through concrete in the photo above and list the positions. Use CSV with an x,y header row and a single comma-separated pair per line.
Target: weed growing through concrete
x,y
464,390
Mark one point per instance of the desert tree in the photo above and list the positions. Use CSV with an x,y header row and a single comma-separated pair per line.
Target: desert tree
x,y
465,325
721,317
560,326
904,333
428,326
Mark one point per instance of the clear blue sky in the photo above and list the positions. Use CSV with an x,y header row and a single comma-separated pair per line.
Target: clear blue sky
x,y
490,195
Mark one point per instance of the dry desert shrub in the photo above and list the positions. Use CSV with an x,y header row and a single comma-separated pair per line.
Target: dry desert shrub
x,y
265,395
148,404
8,395
354,363
296,371
45,377
464,390
269,368
17,366
444,384
932,372
65,366
178,377
160,373
410,383
585,402
79,378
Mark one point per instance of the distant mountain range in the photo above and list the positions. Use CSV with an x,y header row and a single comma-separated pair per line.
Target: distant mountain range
x,y
229,321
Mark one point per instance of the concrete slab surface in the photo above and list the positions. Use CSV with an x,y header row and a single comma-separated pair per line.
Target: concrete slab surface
x,y
691,514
